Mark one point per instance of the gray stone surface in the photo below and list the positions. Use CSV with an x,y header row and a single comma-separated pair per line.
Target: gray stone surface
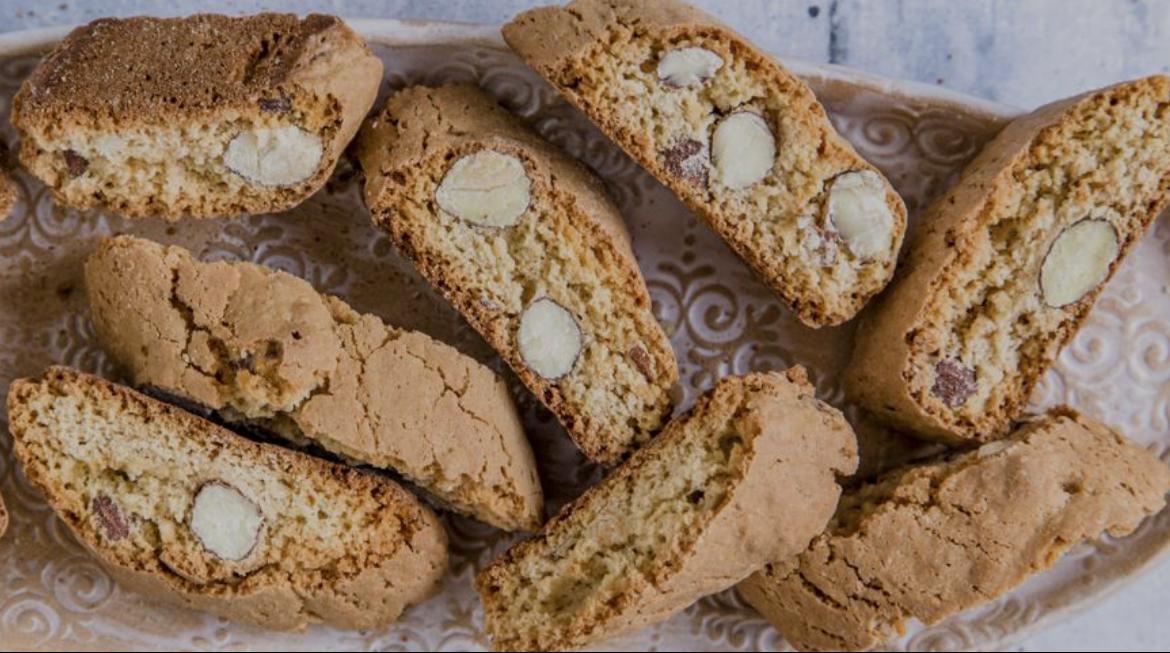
x,y
1023,53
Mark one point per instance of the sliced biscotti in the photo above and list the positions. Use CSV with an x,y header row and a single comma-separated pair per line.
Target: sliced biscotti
x,y
527,245
200,116
1010,261
747,477
263,348
182,510
740,140
927,541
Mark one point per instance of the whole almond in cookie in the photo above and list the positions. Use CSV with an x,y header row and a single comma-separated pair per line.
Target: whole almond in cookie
x,y
527,245
202,116
259,348
486,188
740,140
1010,262
183,511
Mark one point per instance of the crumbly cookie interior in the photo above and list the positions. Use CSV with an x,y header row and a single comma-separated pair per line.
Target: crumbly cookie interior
x,y
128,475
778,223
178,168
614,393
581,568
989,322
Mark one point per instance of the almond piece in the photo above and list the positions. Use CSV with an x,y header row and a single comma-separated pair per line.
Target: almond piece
x,y
274,156
743,149
858,212
486,188
1078,261
688,67
549,339
227,523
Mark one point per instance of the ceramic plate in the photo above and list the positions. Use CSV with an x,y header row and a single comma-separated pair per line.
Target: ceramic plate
x,y
721,320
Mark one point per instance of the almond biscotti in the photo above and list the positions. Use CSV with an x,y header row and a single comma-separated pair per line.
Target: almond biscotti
x,y
527,245
743,142
1010,261
747,477
931,540
182,510
200,116
263,348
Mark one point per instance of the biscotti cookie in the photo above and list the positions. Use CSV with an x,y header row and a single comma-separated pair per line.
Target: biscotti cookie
x,y
262,347
740,140
184,511
747,477
930,540
1010,261
201,116
527,245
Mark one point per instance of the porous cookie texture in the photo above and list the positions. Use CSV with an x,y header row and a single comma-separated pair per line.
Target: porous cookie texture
x,y
739,139
930,540
201,116
263,348
527,245
747,477
7,194
1010,261
8,188
184,511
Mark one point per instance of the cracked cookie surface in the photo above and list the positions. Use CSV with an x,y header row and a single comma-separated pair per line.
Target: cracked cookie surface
x,y
553,240
748,476
739,139
126,472
263,348
933,539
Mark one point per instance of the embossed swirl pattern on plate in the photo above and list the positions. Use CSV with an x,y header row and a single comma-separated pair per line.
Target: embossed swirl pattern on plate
x,y
721,321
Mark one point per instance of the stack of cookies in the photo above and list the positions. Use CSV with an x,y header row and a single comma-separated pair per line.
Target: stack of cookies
x,y
281,455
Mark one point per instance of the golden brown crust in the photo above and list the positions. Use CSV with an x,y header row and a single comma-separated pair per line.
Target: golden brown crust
x,y
406,151
3,516
8,188
118,77
931,540
566,44
398,561
885,375
693,511
7,194
263,347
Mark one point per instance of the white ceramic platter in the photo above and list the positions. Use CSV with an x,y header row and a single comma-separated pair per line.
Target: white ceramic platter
x,y
722,321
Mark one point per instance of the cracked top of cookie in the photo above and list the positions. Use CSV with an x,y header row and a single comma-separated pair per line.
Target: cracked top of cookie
x,y
928,540
263,349
138,68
